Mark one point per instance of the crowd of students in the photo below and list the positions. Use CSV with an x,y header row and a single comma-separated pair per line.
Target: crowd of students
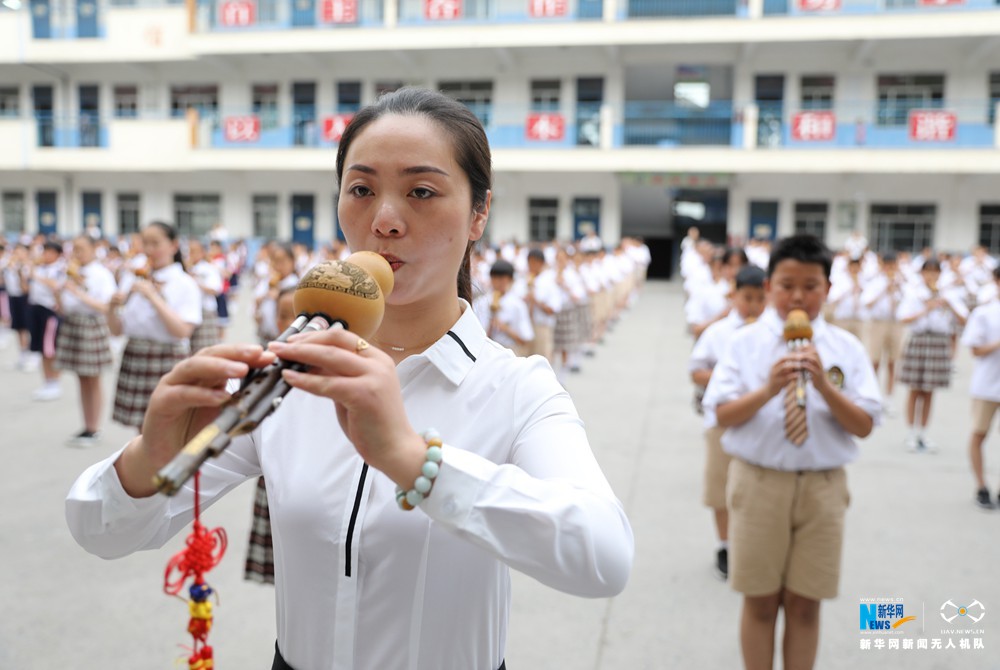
x,y
78,304
782,421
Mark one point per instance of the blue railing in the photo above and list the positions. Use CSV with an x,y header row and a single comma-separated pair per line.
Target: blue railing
x,y
669,124
662,124
76,132
933,125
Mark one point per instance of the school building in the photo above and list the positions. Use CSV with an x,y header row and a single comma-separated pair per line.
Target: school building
x,y
630,117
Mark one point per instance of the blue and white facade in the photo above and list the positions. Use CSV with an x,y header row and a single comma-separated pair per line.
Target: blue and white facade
x,y
637,117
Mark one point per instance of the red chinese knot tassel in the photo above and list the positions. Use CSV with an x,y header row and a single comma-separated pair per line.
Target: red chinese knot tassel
x,y
202,551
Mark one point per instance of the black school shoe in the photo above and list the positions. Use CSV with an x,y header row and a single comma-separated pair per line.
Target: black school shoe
x,y
722,564
983,499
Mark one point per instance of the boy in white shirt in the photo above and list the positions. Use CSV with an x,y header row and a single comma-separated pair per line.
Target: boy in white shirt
x,y
503,314
982,334
787,493
748,303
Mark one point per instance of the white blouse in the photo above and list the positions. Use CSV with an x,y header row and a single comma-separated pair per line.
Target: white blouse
x,y
179,290
360,584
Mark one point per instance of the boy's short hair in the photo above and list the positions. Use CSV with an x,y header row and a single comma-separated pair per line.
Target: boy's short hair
x,y
931,263
502,268
52,245
801,248
750,276
890,257
536,254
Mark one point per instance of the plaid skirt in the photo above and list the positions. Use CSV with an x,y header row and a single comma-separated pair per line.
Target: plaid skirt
x,y
144,362
260,552
926,362
572,327
207,333
84,345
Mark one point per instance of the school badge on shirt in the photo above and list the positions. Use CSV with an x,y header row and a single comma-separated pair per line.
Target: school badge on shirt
x,y
836,377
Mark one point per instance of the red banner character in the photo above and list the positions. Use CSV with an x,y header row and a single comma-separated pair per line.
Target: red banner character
x,y
241,128
237,13
814,126
545,127
932,125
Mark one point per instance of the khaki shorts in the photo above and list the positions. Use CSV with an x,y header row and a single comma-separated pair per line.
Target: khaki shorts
x,y
786,529
982,415
885,340
716,469
854,326
543,343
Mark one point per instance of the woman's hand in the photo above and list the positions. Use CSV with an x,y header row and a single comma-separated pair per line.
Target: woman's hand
x,y
361,381
186,400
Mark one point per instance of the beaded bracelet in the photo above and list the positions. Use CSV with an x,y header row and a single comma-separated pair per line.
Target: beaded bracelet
x,y
423,484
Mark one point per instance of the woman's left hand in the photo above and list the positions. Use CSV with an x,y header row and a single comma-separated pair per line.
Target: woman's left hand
x,y
361,381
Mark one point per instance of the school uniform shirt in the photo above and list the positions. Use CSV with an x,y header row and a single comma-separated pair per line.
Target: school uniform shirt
x,y
939,320
363,585
982,328
881,297
845,296
12,280
513,313
746,365
708,349
208,275
179,290
707,302
98,283
547,293
268,308
39,293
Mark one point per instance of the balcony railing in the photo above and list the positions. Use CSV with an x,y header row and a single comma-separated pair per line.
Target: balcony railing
x,y
662,124
75,19
85,131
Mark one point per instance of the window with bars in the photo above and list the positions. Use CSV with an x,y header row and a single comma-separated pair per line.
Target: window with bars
x,y
545,95
265,216
810,218
476,95
196,214
264,101
901,227
816,91
12,211
126,100
129,220
204,98
348,97
989,228
542,215
10,101
898,95
994,95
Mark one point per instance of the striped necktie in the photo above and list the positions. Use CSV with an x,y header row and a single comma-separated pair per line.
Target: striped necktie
x,y
796,429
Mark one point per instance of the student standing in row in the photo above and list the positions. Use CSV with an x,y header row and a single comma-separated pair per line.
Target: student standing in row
x,y
209,281
157,314
881,298
84,344
748,302
933,317
982,335
503,313
544,300
47,278
787,494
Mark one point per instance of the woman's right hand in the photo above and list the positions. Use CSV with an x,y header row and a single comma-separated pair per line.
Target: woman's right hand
x,y
186,400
